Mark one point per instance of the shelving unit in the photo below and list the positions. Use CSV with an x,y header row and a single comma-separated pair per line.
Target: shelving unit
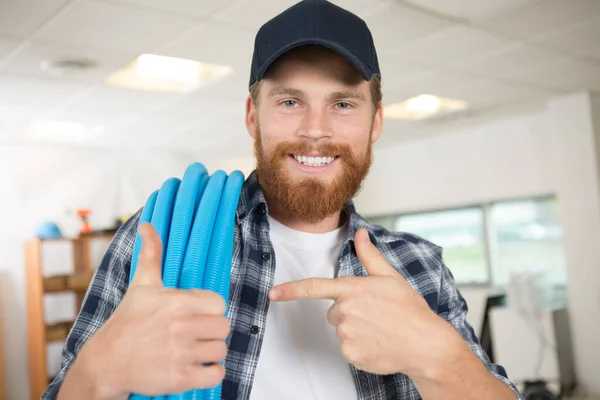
x,y
40,333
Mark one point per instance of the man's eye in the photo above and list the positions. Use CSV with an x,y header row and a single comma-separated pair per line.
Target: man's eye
x,y
289,103
343,105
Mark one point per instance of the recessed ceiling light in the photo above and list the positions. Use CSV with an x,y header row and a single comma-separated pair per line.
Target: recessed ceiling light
x,y
423,106
166,74
61,131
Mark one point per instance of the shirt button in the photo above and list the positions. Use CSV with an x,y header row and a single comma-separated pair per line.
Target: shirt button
x,y
254,329
266,256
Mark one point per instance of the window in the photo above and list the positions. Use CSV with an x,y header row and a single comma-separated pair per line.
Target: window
x,y
485,244
526,236
460,233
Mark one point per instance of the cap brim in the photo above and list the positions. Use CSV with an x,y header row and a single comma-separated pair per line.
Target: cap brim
x,y
364,70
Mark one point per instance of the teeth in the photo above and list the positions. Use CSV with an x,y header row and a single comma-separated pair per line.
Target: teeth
x,y
314,161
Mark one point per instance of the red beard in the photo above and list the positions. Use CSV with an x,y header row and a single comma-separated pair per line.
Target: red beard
x,y
309,200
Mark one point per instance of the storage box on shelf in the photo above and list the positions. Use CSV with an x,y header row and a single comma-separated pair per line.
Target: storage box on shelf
x,y
39,332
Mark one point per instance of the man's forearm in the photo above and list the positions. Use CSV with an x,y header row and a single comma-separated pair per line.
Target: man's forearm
x,y
465,378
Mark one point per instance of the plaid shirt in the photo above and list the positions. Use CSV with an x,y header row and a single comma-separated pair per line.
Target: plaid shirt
x,y
418,261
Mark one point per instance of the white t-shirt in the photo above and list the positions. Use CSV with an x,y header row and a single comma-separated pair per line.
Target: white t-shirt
x,y
300,357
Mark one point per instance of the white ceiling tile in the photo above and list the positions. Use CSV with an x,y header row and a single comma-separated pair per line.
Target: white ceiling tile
x,y
583,38
252,13
398,72
469,9
30,58
565,75
396,25
451,44
21,18
449,84
194,8
234,45
25,91
508,61
361,8
232,88
493,93
111,26
7,46
541,18
103,105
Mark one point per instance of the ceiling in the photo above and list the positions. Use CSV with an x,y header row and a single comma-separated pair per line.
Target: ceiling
x,y
501,56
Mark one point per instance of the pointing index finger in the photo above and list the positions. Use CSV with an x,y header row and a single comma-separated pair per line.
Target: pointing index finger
x,y
311,288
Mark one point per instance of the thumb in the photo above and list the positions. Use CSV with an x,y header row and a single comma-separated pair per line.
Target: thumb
x,y
149,268
370,257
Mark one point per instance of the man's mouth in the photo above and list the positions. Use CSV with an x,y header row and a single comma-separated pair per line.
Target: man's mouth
x,y
313,161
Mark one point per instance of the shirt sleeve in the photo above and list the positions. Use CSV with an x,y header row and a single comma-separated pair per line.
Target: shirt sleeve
x,y
108,286
453,307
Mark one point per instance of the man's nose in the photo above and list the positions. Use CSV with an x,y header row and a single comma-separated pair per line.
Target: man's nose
x,y
316,124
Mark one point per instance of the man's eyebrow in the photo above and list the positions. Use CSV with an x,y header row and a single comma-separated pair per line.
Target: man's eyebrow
x,y
285,91
347,95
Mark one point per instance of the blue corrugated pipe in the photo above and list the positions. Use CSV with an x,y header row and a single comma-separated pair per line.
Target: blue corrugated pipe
x,y
195,219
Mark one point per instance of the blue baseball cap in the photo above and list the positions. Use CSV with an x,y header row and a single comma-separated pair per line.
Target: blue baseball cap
x,y
316,22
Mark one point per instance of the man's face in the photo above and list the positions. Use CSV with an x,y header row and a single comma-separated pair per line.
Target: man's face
x,y
314,125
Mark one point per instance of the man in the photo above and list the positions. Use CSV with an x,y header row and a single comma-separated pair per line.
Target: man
x,y
323,305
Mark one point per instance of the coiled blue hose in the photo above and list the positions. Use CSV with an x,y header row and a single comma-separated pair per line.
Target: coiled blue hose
x,y
194,218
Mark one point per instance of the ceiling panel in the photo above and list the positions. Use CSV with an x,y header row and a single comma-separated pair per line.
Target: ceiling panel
x,y
469,9
539,19
193,8
567,75
492,93
105,105
21,18
508,61
451,84
583,38
451,44
397,71
252,13
361,8
389,35
111,26
213,42
30,58
21,91
7,46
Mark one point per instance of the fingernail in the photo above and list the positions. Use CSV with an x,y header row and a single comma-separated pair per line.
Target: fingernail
x,y
366,237
275,293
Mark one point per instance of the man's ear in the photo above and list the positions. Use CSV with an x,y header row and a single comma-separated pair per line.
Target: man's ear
x,y
251,117
377,123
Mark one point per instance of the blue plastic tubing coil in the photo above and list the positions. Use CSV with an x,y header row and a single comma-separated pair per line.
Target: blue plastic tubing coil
x,y
194,218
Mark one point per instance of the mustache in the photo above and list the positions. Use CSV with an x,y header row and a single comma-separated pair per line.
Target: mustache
x,y
324,149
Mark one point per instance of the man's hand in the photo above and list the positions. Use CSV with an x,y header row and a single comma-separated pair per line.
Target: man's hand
x,y
158,340
384,326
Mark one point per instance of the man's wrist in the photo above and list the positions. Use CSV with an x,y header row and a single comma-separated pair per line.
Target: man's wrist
x,y
93,368
445,350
